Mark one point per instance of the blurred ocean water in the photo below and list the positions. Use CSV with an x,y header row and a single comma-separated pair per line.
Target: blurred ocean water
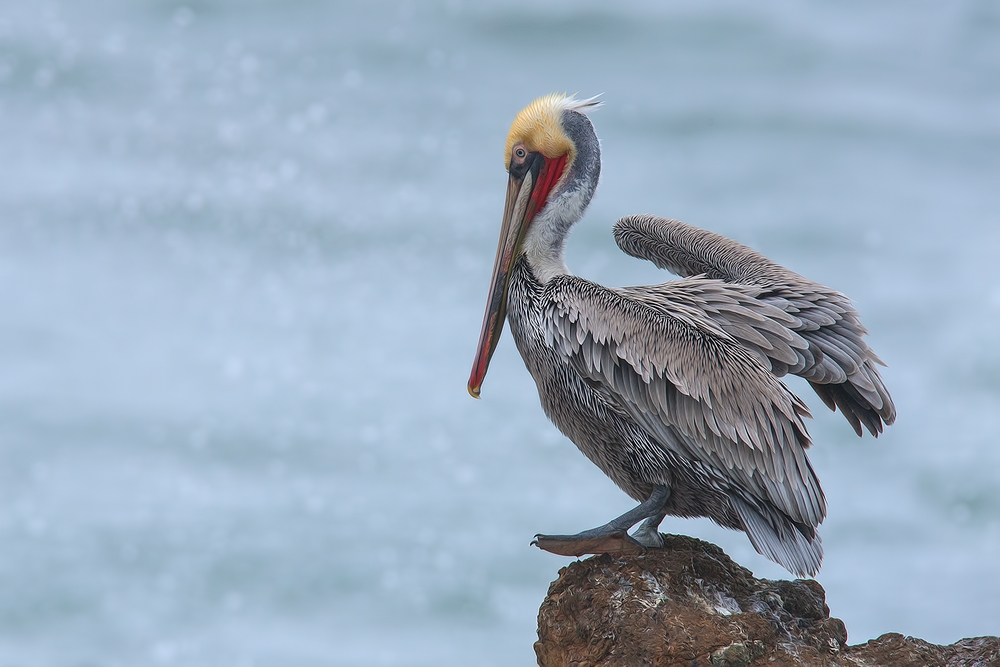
x,y
244,252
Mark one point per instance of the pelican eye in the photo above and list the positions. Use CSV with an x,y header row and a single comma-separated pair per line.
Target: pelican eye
x,y
520,153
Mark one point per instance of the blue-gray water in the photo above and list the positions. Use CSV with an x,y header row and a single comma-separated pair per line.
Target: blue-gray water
x,y
244,252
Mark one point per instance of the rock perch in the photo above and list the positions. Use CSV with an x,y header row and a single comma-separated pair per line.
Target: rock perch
x,y
689,604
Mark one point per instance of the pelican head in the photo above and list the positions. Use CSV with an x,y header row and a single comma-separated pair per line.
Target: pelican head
x,y
553,161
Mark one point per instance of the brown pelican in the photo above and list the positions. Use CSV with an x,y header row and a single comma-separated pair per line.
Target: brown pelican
x,y
672,390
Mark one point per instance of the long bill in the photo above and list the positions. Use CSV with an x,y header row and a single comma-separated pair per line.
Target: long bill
x,y
512,229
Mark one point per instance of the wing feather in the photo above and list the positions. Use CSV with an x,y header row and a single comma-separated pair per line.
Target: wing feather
x,y
837,361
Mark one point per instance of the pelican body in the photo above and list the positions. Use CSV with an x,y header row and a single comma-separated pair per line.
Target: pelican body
x,y
672,390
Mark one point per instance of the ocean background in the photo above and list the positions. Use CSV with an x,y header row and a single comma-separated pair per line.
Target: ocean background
x,y
244,254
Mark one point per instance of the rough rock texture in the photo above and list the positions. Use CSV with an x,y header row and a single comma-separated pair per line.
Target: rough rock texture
x,y
689,604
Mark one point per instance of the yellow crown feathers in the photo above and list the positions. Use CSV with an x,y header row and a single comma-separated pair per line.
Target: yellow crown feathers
x,y
538,126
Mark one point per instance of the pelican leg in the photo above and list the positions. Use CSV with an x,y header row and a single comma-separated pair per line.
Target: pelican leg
x,y
613,536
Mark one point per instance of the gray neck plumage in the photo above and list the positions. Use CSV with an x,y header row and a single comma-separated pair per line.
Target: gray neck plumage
x,y
545,241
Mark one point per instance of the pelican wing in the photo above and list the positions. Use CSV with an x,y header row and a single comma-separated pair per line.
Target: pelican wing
x,y
694,387
840,366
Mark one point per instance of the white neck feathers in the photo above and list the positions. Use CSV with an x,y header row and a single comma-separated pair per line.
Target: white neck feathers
x,y
545,242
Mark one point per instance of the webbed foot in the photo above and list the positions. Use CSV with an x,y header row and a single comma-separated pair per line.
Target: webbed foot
x,y
613,537
648,532
649,538
617,542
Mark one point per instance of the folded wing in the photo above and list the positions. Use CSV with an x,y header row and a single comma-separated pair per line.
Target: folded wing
x,y
677,358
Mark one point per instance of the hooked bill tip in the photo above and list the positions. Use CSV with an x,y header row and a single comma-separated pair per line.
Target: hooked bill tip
x,y
473,391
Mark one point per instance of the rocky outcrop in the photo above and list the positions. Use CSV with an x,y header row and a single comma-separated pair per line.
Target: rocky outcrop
x,y
689,604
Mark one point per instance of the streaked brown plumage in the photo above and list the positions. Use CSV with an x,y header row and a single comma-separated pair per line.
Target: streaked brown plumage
x,y
841,366
673,390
